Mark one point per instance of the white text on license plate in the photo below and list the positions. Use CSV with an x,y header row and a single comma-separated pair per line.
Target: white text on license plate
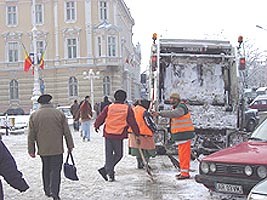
x,y
229,188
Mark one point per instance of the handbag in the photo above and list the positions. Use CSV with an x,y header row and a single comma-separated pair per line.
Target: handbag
x,y
70,170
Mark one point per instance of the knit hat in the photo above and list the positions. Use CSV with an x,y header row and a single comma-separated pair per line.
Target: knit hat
x,y
120,95
175,96
44,99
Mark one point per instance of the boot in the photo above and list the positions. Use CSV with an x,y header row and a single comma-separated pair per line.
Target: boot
x,y
103,173
140,164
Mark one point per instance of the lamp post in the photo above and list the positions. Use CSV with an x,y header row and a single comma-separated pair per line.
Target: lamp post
x,y
91,75
36,86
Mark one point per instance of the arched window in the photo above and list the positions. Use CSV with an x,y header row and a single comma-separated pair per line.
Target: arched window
x,y
14,89
73,87
106,86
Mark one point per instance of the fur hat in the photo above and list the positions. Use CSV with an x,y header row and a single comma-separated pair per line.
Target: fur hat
x,y
44,99
175,96
120,95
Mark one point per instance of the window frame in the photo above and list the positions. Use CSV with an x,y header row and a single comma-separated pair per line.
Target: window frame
x,y
103,10
111,46
72,12
73,86
15,52
68,46
99,46
11,16
106,86
13,90
40,14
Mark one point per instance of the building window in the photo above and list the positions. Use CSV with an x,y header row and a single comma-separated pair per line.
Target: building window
x,y
111,46
14,89
103,10
39,17
106,86
73,87
72,48
12,51
40,49
99,45
11,15
70,14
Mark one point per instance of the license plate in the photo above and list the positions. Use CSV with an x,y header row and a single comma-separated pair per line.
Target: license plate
x,y
229,188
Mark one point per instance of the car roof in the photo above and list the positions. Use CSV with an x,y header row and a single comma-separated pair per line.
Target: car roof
x,y
261,89
260,97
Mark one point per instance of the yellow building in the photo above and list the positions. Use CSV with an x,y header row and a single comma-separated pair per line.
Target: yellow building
x,y
76,37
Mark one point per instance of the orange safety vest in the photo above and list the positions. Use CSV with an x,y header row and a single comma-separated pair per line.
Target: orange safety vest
x,y
115,121
139,113
182,124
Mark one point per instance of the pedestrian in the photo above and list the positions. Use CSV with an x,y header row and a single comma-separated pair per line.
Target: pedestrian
x,y
104,103
85,117
116,117
74,109
182,132
47,126
147,128
8,169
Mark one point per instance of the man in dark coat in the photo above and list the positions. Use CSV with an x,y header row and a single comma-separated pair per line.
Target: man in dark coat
x,y
8,169
47,126
74,109
104,103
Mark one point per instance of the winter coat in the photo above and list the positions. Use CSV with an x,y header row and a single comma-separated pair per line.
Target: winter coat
x,y
74,109
47,126
8,169
130,119
179,113
86,111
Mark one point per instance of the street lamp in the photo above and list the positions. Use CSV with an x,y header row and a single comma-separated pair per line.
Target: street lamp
x,y
91,75
36,86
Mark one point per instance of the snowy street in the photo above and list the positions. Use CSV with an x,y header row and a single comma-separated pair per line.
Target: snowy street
x,y
131,183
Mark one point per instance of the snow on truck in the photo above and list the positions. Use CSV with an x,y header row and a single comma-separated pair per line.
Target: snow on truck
x,y
204,73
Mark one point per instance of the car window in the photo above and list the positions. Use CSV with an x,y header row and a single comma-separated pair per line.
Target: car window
x,y
261,131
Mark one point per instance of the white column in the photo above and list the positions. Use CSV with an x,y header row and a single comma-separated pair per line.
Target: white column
x,y
88,28
56,31
36,86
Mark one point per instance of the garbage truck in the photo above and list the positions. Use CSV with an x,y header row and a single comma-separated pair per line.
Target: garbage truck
x,y
204,73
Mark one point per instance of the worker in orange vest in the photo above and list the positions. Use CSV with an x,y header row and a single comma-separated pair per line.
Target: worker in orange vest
x,y
182,131
117,117
147,128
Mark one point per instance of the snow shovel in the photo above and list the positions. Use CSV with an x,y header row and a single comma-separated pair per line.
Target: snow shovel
x,y
148,169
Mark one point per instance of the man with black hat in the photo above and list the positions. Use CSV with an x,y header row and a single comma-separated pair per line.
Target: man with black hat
x,y
47,126
117,117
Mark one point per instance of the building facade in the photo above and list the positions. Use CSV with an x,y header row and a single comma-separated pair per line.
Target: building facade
x,y
86,45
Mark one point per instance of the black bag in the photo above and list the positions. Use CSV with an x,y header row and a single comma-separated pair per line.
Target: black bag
x,y
70,170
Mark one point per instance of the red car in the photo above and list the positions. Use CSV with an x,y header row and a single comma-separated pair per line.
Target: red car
x,y
235,170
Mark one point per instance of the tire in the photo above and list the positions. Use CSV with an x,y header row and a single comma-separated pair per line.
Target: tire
x,y
251,125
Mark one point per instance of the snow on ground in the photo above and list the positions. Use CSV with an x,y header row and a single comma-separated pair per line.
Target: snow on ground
x,y
131,183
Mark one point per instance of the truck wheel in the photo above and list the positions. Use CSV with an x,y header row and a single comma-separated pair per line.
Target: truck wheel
x,y
251,125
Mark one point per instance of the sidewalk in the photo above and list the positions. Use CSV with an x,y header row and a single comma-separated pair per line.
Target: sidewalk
x,y
131,183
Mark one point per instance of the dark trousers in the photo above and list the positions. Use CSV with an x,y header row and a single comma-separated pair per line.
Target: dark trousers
x,y
51,173
114,153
